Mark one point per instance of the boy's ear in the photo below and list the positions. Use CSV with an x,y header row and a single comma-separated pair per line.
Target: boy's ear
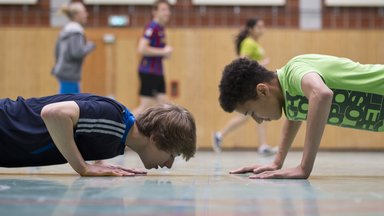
x,y
150,141
262,89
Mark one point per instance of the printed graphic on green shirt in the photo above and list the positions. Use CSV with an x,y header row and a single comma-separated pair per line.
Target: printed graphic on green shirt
x,y
351,109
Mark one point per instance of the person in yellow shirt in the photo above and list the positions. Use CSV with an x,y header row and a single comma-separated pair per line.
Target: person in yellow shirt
x,y
247,45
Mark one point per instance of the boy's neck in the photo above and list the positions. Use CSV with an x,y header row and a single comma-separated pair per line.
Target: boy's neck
x,y
136,140
156,20
278,91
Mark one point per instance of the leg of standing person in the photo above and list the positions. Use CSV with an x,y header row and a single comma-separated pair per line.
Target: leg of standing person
x,y
145,102
264,147
234,123
147,93
161,98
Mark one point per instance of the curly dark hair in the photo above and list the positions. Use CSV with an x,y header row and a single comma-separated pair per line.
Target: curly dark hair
x,y
239,80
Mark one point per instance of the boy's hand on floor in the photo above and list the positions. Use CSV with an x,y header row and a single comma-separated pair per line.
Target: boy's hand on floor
x,y
292,173
106,169
255,169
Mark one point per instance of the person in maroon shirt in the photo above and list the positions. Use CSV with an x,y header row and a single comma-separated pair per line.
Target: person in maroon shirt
x,y
153,48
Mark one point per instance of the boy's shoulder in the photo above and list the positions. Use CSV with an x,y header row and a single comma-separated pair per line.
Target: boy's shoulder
x,y
153,25
151,28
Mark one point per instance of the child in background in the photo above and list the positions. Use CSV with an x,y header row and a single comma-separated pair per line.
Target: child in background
x,y
153,48
71,49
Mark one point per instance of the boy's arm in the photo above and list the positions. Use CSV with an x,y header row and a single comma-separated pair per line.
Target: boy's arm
x,y
320,100
78,47
60,119
289,132
145,49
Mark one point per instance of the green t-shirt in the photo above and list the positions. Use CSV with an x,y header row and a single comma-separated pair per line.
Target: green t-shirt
x,y
250,48
358,89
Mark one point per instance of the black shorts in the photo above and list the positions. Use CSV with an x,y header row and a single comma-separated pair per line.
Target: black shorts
x,y
151,84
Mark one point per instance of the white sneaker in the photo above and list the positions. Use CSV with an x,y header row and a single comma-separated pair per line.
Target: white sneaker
x,y
217,141
266,150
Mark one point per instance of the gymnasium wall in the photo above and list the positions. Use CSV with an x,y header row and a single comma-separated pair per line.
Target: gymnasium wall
x,y
186,14
198,59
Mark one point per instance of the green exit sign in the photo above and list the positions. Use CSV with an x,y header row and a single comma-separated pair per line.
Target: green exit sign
x,y
118,20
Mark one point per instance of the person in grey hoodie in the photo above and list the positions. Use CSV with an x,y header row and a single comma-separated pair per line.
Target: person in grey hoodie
x,y
71,49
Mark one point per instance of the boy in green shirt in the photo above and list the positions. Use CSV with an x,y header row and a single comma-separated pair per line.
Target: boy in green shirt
x,y
318,88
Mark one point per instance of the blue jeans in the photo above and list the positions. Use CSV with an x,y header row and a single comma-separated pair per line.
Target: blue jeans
x,y
69,87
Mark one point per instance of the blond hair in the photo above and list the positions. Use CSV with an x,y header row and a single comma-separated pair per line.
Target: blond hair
x,y
71,9
171,127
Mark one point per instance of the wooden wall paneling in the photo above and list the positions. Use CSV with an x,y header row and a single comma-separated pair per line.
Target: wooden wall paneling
x,y
26,62
185,67
3,63
110,73
94,65
127,60
199,57
45,59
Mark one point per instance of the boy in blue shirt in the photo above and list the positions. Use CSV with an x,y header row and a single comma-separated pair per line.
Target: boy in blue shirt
x,y
75,128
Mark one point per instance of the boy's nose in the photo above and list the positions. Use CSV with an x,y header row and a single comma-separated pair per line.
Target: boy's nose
x,y
257,119
169,163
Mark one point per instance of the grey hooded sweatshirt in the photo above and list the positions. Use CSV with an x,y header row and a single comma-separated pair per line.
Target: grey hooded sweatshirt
x,y
71,49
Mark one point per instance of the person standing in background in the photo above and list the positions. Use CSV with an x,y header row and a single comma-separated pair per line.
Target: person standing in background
x,y
247,45
153,48
71,49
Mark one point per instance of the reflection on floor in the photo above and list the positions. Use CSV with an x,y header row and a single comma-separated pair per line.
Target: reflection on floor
x,y
341,184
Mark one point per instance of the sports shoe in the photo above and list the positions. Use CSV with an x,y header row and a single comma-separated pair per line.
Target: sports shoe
x,y
217,141
266,150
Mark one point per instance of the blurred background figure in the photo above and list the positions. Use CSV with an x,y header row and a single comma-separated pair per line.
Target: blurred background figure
x,y
248,46
153,48
71,48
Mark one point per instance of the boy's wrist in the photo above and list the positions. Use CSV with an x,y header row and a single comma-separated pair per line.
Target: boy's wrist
x,y
279,159
81,168
307,169
277,162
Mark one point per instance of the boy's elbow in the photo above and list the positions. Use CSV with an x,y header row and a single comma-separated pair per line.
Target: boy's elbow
x,y
141,50
50,112
327,95
76,55
324,95
47,112
60,112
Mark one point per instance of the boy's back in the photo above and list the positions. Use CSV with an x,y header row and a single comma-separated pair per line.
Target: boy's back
x,y
358,89
25,140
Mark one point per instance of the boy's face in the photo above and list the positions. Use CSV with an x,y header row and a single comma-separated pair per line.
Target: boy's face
x,y
81,15
153,157
265,108
258,29
163,13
